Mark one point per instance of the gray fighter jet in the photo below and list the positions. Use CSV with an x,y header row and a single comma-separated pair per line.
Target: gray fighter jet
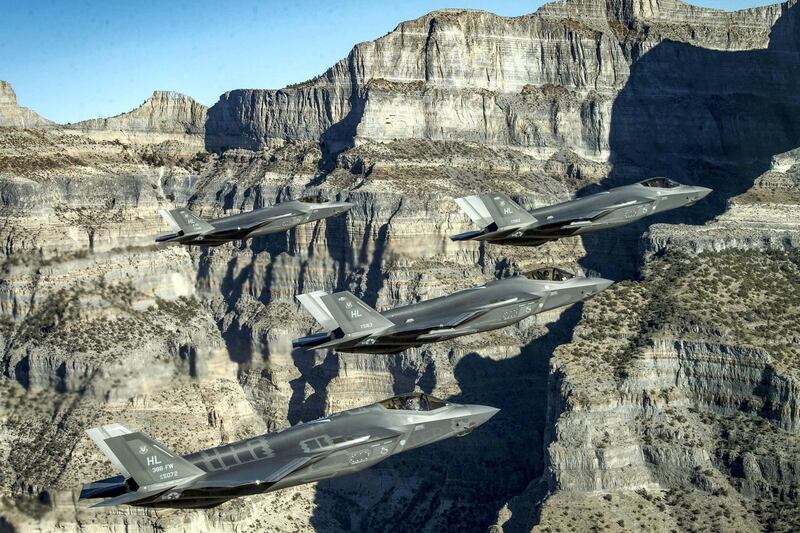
x,y
340,444
505,222
353,326
193,230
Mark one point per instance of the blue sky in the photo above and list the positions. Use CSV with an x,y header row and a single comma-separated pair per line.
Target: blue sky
x,y
80,59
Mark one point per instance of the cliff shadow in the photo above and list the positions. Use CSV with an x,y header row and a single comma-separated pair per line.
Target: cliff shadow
x,y
224,127
236,334
341,135
375,276
460,483
317,376
704,117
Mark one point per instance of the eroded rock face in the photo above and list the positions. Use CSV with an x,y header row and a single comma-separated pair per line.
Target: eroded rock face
x,y
668,402
451,75
165,116
11,114
539,82
684,400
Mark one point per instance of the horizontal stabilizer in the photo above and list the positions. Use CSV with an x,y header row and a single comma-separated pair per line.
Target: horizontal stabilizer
x,y
104,488
127,498
334,342
311,341
467,235
484,235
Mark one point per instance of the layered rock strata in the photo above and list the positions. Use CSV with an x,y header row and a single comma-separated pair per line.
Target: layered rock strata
x,y
668,402
11,114
165,116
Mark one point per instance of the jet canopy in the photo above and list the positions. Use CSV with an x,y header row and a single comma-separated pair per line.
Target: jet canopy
x,y
313,200
660,183
416,401
549,274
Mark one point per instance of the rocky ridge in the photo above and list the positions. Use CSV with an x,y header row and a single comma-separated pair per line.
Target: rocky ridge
x,y
11,114
662,404
165,116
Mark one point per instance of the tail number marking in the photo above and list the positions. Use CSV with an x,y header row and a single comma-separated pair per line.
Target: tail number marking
x,y
167,471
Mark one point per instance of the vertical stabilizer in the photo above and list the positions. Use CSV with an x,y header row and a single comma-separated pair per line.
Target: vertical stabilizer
x,y
135,455
494,211
185,221
343,311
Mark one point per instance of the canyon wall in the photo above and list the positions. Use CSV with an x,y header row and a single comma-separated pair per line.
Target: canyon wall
x,y
165,116
11,114
667,402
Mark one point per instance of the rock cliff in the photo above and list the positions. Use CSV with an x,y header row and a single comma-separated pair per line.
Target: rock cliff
x,y
165,116
537,82
11,114
668,402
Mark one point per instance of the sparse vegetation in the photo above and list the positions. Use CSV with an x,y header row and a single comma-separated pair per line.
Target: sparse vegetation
x,y
95,318
747,298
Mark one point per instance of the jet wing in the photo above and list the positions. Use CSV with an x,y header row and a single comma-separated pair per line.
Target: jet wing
x,y
274,219
281,470
444,334
577,217
282,467
452,323
236,225
437,323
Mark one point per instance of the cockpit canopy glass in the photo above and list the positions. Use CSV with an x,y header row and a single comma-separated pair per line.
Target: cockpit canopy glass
x,y
660,183
549,274
313,200
416,401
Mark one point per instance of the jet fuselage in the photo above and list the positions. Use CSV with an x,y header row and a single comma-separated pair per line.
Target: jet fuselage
x,y
255,223
337,445
491,306
596,212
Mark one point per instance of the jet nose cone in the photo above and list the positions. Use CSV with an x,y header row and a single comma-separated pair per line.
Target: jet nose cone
x,y
592,286
602,284
704,191
696,194
482,413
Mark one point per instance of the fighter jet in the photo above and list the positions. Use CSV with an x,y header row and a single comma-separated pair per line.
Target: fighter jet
x,y
353,326
153,476
194,231
505,222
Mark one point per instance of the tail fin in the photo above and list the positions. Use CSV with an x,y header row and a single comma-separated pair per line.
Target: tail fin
x,y
494,211
137,456
185,221
344,311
